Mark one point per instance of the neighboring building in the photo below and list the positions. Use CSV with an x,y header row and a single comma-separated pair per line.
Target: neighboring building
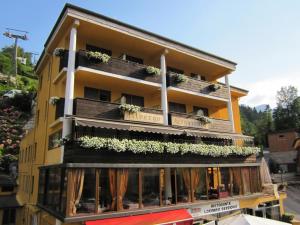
x,y
297,147
136,139
9,204
282,150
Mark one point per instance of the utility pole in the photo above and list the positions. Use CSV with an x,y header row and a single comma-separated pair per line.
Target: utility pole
x,y
16,36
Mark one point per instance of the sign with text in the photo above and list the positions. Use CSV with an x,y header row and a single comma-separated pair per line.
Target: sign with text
x,y
213,208
144,117
187,122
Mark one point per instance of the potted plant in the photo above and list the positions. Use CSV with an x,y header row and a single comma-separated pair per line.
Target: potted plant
x,y
97,57
180,78
153,70
59,52
129,108
214,87
203,119
54,100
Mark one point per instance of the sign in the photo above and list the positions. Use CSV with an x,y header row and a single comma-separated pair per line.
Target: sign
x,y
187,122
144,117
213,208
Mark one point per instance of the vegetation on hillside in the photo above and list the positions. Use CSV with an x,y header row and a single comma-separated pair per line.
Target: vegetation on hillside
x,y
14,112
285,116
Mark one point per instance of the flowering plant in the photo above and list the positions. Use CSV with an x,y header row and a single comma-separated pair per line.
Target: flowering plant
x,y
59,52
153,70
129,108
53,100
144,146
97,56
180,78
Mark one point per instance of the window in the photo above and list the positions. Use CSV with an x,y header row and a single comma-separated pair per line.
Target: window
x,y
131,197
8,188
134,100
177,107
151,187
200,111
55,140
37,117
97,94
198,76
40,82
9,216
98,49
134,59
224,182
174,70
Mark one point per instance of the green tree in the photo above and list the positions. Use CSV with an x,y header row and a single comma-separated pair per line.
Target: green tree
x,y
5,63
286,114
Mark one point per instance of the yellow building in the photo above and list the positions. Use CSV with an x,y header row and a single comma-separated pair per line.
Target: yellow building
x,y
130,123
9,204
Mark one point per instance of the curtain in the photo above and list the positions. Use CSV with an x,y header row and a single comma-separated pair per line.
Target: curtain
x,y
187,182
112,174
75,186
246,180
195,172
237,180
265,173
255,180
123,176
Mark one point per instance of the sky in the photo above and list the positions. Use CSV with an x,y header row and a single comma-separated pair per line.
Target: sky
x,y
262,36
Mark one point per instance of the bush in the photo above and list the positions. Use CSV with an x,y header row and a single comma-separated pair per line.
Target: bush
x,y
153,70
180,78
22,102
97,57
287,217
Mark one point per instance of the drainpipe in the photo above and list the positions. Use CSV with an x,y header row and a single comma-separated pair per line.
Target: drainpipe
x,y
164,97
69,89
229,104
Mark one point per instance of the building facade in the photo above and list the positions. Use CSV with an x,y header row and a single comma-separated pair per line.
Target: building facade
x,y
130,123
282,150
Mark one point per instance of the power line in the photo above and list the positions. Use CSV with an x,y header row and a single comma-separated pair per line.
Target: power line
x,y
16,36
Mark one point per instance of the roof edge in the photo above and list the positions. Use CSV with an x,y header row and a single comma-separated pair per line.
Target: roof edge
x,y
74,7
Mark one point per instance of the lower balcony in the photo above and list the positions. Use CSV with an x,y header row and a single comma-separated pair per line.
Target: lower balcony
x,y
81,192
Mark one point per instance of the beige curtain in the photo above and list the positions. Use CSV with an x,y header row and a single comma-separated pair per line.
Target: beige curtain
x,y
246,180
195,172
187,182
237,180
265,173
123,176
112,174
75,186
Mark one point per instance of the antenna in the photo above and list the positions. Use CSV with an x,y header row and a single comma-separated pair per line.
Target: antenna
x,y
16,34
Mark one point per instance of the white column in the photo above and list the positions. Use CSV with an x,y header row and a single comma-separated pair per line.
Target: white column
x,y
164,96
69,89
229,104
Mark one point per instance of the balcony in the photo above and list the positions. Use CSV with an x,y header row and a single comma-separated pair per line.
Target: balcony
x,y
118,66
198,87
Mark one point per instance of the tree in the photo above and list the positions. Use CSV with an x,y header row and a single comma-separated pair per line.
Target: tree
x,y
286,115
5,64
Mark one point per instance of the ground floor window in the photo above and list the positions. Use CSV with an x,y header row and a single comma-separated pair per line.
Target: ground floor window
x,y
9,216
72,191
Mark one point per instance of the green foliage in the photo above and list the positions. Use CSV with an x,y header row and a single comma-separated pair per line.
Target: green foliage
x,y
287,113
22,102
129,108
6,65
287,217
153,70
257,124
180,78
97,56
139,146
6,160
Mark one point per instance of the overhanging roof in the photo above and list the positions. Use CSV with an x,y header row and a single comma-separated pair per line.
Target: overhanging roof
x,y
9,201
159,37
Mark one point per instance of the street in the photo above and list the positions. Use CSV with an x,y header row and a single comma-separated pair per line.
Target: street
x,y
292,203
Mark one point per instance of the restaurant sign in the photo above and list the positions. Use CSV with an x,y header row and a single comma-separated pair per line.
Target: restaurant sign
x,y
144,117
187,122
213,208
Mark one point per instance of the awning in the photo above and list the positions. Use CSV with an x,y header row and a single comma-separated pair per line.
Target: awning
x,y
198,133
126,126
174,217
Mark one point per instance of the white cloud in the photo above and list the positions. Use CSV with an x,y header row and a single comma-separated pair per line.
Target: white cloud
x,y
264,91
